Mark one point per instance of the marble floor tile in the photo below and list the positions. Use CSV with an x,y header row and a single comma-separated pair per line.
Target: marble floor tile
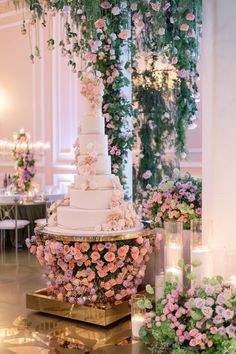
x,y
23,331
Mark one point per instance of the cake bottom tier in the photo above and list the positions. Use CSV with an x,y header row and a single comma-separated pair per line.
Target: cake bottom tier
x,y
81,219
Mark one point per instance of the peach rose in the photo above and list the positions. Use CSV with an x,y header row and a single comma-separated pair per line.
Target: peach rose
x,y
190,16
100,247
85,247
122,251
102,274
95,256
184,27
109,293
100,23
134,252
109,256
124,34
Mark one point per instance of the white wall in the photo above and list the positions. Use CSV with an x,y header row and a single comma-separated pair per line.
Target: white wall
x,y
219,129
44,99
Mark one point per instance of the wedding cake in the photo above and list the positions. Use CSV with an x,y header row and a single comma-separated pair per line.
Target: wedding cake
x,y
96,198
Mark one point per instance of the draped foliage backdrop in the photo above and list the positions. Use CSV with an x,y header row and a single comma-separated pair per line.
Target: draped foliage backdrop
x,y
162,42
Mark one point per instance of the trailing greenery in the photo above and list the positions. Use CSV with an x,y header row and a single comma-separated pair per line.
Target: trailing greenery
x,y
165,33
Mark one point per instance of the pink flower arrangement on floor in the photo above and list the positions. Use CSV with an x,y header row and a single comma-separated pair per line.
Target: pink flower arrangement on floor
x,y
202,319
175,198
24,162
103,272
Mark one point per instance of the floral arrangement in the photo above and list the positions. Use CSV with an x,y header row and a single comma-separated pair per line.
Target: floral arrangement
x,y
24,162
201,320
98,272
176,198
99,35
92,89
123,215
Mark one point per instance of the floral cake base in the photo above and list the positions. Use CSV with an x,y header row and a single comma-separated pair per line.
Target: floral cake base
x,y
42,301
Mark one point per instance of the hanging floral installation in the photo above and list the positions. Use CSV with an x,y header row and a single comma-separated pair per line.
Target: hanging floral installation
x,y
114,37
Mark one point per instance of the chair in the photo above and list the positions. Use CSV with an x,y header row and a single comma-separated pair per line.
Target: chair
x,y
9,222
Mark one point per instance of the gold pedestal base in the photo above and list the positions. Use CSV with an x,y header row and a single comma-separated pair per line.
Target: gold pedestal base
x,y
41,301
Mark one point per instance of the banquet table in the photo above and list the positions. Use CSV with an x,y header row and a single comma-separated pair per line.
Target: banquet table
x,y
31,211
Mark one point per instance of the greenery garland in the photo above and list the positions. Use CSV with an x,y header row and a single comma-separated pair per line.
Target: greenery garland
x,y
96,33
166,90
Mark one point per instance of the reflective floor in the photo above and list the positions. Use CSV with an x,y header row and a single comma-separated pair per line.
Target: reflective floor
x,y
23,331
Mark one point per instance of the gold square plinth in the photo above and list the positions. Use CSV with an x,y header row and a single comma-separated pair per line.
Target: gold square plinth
x,y
41,301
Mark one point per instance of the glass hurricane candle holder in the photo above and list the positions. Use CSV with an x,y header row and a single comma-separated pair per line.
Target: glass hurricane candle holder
x,y
200,252
173,251
159,286
137,314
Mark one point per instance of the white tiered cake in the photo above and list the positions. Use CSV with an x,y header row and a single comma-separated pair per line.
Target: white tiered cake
x,y
96,198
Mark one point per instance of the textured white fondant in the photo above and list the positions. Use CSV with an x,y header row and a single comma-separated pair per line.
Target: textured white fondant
x,y
80,219
97,199
100,143
102,166
100,181
92,123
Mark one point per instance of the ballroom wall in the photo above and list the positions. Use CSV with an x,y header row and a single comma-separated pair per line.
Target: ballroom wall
x,y
44,99
219,128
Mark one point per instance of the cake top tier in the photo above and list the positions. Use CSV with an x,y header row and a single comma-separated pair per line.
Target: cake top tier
x,y
92,89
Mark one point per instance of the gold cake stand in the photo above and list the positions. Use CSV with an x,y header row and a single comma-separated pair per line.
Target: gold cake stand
x,y
42,301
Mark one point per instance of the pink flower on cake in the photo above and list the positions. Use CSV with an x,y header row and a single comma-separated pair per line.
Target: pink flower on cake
x,y
90,57
105,5
100,23
124,34
109,256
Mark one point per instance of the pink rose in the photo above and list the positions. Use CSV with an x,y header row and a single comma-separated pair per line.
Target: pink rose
x,y
115,10
147,174
213,330
133,6
109,256
100,23
190,16
33,249
109,293
193,343
95,256
174,60
155,6
193,332
105,5
124,34
166,6
84,247
184,27
109,79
